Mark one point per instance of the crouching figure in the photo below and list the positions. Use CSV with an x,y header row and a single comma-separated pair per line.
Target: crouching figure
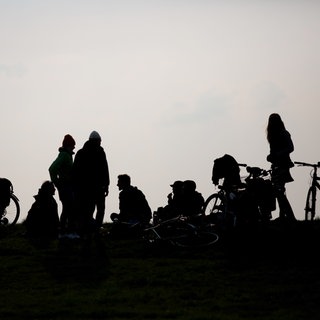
x,y
43,219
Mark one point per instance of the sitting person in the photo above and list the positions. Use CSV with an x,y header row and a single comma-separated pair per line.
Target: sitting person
x,y
174,206
133,204
43,219
193,200
135,212
184,200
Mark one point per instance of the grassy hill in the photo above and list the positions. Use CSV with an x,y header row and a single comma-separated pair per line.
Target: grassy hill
x,y
264,273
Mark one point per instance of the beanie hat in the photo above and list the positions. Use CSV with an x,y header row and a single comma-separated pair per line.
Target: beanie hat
x,y
68,141
95,135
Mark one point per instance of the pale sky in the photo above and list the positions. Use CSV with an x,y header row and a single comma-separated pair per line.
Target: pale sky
x,y
169,85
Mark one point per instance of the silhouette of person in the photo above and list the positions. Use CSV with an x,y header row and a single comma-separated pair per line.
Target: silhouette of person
x,y
133,205
43,220
281,146
5,191
91,183
193,200
175,198
60,174
174,205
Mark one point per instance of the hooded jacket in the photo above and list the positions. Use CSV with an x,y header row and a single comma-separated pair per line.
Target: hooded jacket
x,y
90,171
60,169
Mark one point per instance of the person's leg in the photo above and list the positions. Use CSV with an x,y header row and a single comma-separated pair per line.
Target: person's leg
x,y
88,210
67,219
63,215
285,209
101,205
83,212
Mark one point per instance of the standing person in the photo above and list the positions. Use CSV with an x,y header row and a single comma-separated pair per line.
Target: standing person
x,y
281,146
91,182
60,174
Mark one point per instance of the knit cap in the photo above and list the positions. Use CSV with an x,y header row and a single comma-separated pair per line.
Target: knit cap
x,y
68,141
95,135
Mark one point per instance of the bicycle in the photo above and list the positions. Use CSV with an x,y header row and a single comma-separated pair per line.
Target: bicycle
x,y
126,229
11,212
180,232
251,201
310,208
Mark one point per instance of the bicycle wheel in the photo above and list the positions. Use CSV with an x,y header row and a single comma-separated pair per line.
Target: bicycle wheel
x,y
214,207
12,212
310,209
195,238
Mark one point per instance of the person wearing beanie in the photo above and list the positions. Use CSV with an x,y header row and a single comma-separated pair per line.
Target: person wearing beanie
x,y
91,181
68,142
60,174
94,135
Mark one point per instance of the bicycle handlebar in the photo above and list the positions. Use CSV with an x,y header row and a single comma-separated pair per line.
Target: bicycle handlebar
x,y
304,164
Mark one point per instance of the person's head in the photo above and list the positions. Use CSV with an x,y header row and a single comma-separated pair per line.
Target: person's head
x,y
275,125
95,137
189,186
177,186
68,142
47,188
123,181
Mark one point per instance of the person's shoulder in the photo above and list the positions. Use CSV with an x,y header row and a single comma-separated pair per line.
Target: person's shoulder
x,y
134,190
101,151
79,151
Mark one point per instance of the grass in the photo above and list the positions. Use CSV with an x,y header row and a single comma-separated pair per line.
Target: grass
x,y
270,273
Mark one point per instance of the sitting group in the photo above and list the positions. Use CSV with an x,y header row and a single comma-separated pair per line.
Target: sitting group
x,y
135,213
184,200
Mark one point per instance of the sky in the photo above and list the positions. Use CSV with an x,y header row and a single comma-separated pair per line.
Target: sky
x,y
169,85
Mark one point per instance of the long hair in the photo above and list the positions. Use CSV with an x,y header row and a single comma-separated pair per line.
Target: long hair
x,y
275,126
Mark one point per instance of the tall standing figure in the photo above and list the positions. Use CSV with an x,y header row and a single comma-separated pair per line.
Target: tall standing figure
x,y
60,174
91,183
281,146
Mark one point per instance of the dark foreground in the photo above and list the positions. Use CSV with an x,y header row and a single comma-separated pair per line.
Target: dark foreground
x,y
271,272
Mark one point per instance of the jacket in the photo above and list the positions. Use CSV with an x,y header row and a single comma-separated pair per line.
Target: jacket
x,y
90,171
60,169
280,150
